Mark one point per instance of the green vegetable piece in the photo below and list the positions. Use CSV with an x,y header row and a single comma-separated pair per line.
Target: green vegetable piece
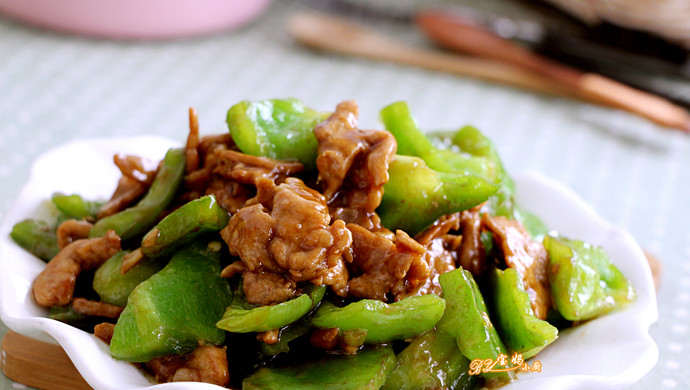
x,y
175,309
296,329
282,129
431,361
367,369
238,319
471,141
75,207
412,141
36,237
521,331
383,322
114,287
416,195
140,218
584,282
197,217
467,319
65,314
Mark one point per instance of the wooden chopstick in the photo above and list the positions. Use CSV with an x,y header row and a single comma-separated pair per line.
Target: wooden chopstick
x,y
453,33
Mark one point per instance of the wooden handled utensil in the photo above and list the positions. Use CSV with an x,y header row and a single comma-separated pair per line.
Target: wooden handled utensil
x,y
453,33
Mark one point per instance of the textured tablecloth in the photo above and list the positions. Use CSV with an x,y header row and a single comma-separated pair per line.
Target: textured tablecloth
x,y
54,88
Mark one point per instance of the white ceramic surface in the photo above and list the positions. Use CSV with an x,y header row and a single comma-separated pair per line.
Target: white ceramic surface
x,y
608,353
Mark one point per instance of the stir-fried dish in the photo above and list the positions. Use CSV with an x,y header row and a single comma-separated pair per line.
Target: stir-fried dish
x,y
298,250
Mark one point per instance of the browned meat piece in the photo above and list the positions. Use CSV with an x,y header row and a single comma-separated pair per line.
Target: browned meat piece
x,y
230,195
267,288
137,168
385,266
440,255
527,257
210,143
96,308
130,260
352,163
207,364
472,254
191,151
325,338
439,228
72,230
286,230
54,286
246,169
270,337
104,331
127,192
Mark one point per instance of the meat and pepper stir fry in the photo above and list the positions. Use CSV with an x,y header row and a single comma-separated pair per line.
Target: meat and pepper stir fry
x,y
298,250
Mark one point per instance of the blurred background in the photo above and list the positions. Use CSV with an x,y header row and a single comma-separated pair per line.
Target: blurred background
x,y
76,73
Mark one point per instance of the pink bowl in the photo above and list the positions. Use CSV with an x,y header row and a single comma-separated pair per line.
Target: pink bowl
x,y
135,19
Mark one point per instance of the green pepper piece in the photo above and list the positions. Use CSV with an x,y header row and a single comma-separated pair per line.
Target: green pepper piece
x,y
416,195
467,319
36,237
471,141
367,369
383,322
398,119
431,361
296,329
584,282
174,310
521,331
138,219
196,217
65,314
238,319
75,207
243,317
282,129
115,287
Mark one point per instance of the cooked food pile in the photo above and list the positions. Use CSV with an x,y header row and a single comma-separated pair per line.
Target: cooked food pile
x,y
300,251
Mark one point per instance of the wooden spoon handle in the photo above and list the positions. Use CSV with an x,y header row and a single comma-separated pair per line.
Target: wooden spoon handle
x,y
334,35
38,364
453,33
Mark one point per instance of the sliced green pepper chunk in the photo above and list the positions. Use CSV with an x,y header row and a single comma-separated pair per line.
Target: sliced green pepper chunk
x,y
263,318
140,218
471,141
282,129
467,319
431,361
175,309
383,322
412,141
75,207
115,287
416,195
243,317
36,237
366,370
521,331
196,217
584,282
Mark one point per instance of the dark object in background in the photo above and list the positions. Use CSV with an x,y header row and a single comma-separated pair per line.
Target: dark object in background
x,y
636,58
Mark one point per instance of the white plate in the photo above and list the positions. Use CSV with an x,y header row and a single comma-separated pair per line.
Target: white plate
x,y
611,352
